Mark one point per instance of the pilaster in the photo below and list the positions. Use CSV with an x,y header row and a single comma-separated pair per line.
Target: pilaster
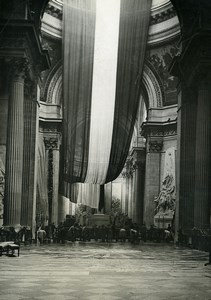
x,y
152,181
52,145
138,157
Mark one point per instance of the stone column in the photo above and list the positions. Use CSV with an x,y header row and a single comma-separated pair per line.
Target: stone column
x,y
130,193
152,182
63,208
126,194
202,200
29,155
123,193
139,157
108,198
139,193
177,206
14,151
56,158
186,156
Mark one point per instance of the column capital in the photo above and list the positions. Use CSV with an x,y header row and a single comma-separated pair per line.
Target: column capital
x,y
18,68
194,61
51,142
204,82
154,146
138,155
128,169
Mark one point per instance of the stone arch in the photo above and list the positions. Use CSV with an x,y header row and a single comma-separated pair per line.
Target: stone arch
x,y
152,87
53,87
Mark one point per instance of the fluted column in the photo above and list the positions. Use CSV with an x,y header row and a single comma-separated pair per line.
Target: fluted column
x,y
108,198
202,200
29,156
130,199
14,151
126,194
187,144
54,218
139,157
139,193
123,193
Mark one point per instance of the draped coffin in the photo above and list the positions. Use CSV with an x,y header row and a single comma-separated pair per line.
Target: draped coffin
x,y
103,54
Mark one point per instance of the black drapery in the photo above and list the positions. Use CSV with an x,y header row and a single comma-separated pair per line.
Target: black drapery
x,y
78,56
78,53
133,33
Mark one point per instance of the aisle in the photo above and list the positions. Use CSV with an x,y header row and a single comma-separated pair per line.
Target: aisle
x,y
101,271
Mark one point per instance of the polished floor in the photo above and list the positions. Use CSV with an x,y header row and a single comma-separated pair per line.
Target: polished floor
x,y
100,271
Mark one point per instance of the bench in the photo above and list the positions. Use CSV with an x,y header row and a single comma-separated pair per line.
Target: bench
x,y
6,247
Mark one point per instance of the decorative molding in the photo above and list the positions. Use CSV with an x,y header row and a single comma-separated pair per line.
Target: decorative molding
x,y
19,67
153,86
53,87
163,16
49,128
22,40
155,146
51,142
53,11
154,129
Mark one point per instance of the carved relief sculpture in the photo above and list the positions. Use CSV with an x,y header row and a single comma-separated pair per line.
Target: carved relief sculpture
x,y
165,201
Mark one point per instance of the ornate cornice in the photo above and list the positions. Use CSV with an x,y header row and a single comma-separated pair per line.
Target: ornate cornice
x,y
20,39
163,16
50,129
159,17
54,11
159,129
158,33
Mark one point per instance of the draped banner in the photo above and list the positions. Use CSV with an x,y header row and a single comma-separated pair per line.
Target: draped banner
x,y
104,46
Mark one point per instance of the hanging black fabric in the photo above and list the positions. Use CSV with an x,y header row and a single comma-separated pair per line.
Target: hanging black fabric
x,y
78,59
78,53
133,33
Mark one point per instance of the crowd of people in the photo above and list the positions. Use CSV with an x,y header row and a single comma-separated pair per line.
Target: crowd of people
x,y
73,231
103,233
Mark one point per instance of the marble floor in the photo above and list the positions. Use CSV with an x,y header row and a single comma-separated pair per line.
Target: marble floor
x,y
100,271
